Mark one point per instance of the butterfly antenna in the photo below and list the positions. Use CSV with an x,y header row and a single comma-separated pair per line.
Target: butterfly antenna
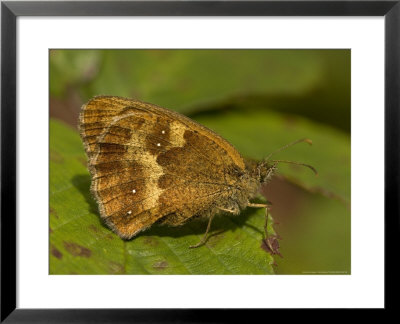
x,y
288,145
298,163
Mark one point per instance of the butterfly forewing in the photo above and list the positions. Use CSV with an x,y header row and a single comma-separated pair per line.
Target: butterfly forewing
x,y
148,163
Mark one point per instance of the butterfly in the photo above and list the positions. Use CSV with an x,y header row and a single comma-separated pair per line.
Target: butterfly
x,y
151,165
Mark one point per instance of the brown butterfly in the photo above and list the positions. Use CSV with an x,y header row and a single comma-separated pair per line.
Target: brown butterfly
x,y
152,165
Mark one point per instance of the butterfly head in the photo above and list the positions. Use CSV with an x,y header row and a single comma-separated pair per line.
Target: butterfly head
x,y
264,171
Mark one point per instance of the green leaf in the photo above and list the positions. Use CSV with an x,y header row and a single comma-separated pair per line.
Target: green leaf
x,y
81,244
178,79
185,80
315,83
71,68
315,234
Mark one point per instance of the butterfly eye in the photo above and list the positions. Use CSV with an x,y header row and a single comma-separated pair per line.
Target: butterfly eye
x,y
236,172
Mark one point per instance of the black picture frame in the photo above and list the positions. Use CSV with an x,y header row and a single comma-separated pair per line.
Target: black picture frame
x,y
10,10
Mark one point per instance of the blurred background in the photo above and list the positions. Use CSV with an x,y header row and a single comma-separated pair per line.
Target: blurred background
x,y
259,100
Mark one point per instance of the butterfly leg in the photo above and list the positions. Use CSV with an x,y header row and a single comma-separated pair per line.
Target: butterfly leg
x,y
204,239
266,223
266,206
271,242
257,205
232,211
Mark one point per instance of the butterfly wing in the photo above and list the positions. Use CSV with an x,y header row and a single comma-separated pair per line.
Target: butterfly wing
x,y
147,163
